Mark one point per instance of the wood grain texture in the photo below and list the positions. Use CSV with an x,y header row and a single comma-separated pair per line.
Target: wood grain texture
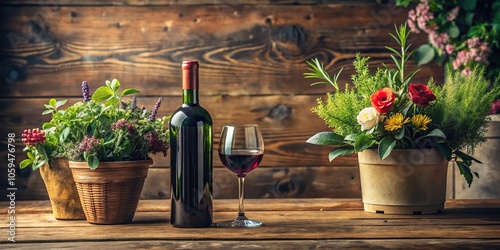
x,y
174,2
275,244
264,182
317,223
47,52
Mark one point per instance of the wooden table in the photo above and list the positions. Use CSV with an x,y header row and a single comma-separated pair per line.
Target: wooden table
x,y
288,224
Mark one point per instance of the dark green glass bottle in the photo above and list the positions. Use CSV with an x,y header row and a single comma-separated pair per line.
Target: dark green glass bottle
x,y
191,145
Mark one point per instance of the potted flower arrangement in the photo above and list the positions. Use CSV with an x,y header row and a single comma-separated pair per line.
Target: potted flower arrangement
x,y
45,153
404,133
108,143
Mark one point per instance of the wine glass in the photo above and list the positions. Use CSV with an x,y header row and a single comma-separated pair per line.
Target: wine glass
x,y
241,149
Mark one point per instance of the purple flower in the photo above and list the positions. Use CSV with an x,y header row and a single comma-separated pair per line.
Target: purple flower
x,y
119,124
133,106
155,144
88,144
453,14
152,116
85,91
495,107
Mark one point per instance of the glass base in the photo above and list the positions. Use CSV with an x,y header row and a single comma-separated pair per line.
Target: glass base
x,y
241,221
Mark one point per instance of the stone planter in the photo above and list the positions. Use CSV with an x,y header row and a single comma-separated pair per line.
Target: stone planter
x,y
487,185
62,191
409,181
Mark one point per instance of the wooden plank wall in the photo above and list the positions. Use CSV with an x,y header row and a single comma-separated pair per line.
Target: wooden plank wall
x,y
252,55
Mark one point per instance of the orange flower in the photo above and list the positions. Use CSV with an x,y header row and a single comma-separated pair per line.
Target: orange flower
x,y
383,99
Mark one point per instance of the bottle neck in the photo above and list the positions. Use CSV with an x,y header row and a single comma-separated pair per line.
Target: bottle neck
x,y
190,82
190,96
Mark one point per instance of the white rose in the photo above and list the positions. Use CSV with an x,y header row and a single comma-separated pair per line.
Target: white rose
x,y
368,118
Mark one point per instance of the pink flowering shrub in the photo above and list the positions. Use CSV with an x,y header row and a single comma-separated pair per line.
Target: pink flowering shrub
x,y
460,33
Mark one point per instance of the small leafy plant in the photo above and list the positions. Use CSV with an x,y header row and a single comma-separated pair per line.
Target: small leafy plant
x,y
387,111
102,127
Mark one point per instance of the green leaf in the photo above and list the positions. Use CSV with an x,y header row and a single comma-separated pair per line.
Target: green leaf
x,y
112,102
385,147
400,134
465,171
47,125
60,103
93,162
363,141
46,112
30,155
47,106
52,102
115,85
453,31
340,151
424,54
445,150
465,157
433,133
467,4
351,137
108,83
129,91
102,94
38,165
25,163
326,138
469,18
406,108
64,134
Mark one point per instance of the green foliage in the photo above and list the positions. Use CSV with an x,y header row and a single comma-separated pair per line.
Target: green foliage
x,y
103,128
337,111
463,106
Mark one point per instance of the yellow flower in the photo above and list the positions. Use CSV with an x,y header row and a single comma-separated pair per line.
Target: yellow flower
x,y
395,122
421,121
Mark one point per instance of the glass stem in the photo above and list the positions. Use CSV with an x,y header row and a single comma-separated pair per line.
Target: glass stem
x,y
241,191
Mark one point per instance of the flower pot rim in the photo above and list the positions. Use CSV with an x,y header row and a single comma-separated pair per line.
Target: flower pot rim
x,y
403,156
112,164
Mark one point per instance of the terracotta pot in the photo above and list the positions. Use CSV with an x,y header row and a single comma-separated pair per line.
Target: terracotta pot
x,y
409,181
62,191
110,193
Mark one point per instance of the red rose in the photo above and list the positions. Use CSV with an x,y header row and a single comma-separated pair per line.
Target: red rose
x,y
382,100
420,94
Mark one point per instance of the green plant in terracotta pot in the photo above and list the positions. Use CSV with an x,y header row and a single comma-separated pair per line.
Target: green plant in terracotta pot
x,y
109,142
44,153
389,120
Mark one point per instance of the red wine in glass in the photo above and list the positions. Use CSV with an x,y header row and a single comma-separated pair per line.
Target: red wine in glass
x,y
241,149
241,162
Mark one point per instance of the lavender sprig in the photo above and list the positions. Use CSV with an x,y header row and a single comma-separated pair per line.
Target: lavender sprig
x,y
152,116
133,105
85,91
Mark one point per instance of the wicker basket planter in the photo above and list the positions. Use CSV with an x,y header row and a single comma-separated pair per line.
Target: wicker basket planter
x,y
409,181
62,191
110,194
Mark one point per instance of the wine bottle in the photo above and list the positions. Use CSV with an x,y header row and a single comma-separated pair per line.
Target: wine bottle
x,y
191,145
